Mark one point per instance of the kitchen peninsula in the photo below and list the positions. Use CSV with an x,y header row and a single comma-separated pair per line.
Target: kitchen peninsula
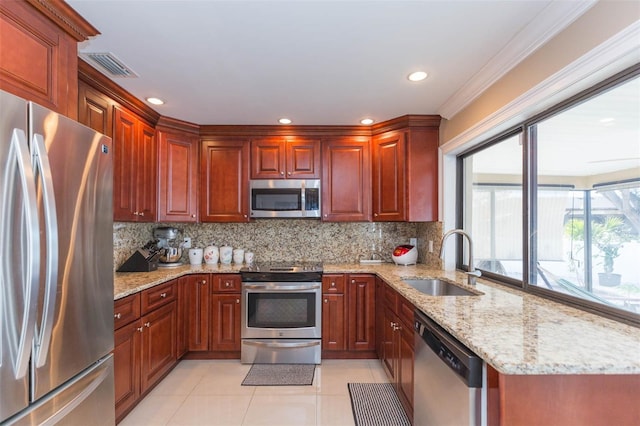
x,y
537,351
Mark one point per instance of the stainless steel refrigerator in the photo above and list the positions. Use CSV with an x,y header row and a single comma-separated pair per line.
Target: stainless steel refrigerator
x,y
56,269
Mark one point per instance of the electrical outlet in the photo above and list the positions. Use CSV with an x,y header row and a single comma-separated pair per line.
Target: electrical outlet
x,y
186,242
413,241
430,246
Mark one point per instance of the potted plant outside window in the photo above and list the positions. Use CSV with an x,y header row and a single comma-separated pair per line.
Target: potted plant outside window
x,y
608,236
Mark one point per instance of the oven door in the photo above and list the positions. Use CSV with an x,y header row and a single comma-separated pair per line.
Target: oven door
x,y
281,310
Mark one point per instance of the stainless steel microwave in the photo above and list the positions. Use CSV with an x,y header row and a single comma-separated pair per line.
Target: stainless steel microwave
x,y
285,198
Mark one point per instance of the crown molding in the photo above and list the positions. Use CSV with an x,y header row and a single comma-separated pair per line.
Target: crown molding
x,y
66,18
609,58
554,18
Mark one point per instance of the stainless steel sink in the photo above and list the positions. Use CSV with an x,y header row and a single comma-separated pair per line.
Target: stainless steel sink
x,y
437,287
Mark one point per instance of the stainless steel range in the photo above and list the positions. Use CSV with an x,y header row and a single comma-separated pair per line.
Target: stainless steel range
x,y
281,313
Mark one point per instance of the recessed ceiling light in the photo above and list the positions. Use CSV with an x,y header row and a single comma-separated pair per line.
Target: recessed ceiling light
x,y
366,121
417,76
284,121
155,101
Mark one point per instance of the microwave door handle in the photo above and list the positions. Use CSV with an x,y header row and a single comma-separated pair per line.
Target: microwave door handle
x,y
303,200
41,161
31,280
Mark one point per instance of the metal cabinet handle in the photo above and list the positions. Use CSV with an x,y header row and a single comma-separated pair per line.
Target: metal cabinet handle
x,y
237,300
139,329
375,214
289,173
281,173
141,213
333,284
326,300
147,324
203,282
227,284
353,281
193,215
163,295
118,315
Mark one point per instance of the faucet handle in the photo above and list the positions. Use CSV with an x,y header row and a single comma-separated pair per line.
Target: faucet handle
x,y
475,273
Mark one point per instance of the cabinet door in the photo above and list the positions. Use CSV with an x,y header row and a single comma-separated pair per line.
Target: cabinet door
x,y
146,180
224,181
380,317
198,294
178,177
362,289
303,158
126,365
389,177
158,345
124,167
183,316
95,110
225,322
333,322
268,158
346,180
389,355
405,367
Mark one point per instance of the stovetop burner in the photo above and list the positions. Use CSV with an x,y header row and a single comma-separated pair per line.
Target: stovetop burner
x,y
283,267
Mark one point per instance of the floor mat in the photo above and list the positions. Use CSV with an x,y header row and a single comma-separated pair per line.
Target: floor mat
x,y
376,404
280,375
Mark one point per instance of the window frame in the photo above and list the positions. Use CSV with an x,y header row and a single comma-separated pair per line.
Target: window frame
x,y
528,129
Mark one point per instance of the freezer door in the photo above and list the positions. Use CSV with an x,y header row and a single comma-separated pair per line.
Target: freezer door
x,y
74,181
87,400
19,259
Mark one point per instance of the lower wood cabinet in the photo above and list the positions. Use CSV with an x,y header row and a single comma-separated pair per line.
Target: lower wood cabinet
x,y
197,311
348,316
145,348
225,322
225,316
396,348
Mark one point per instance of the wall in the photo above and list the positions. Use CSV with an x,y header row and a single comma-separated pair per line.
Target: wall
x,y
600,23
275,240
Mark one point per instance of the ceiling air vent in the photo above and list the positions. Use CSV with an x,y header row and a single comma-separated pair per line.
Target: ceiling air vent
x,y
109,63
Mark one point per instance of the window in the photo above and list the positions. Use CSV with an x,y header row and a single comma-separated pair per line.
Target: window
x,y
577,236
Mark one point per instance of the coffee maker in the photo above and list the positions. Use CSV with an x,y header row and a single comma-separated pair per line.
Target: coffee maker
x,y
169,241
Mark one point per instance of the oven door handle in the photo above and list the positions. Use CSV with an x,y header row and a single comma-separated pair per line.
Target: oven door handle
x,y
281,288
282,345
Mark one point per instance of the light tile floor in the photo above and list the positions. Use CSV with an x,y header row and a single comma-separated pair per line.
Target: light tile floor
x,y
209,392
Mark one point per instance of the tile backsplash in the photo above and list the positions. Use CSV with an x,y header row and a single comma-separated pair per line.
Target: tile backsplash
x,y
293,239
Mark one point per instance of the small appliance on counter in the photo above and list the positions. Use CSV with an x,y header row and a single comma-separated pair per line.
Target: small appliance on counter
x,y
170,244
405,254
144,259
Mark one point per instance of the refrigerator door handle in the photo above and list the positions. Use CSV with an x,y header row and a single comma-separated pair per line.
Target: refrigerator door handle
x,y
22,350
41,164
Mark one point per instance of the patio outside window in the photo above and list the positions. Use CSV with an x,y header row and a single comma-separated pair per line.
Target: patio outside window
x,y
580,236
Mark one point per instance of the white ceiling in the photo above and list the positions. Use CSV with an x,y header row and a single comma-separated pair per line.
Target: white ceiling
x,y
317,62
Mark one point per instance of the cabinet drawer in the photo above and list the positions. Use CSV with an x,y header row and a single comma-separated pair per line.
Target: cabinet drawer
x,y
157,296
405,311
333,283
391,298
126,310
226,283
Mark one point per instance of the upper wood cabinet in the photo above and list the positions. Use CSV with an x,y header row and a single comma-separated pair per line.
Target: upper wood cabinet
x,y
405,173
134,169
224,180
285,158
39,53
346,179
177,175
95,110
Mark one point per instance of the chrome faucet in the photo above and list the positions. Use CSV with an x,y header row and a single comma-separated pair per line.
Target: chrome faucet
x,y
472,274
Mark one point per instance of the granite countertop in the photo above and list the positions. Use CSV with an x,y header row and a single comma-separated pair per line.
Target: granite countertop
x,y
515,332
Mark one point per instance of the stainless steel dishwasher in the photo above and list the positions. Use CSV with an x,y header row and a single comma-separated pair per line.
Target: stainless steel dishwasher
x,y
447,378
